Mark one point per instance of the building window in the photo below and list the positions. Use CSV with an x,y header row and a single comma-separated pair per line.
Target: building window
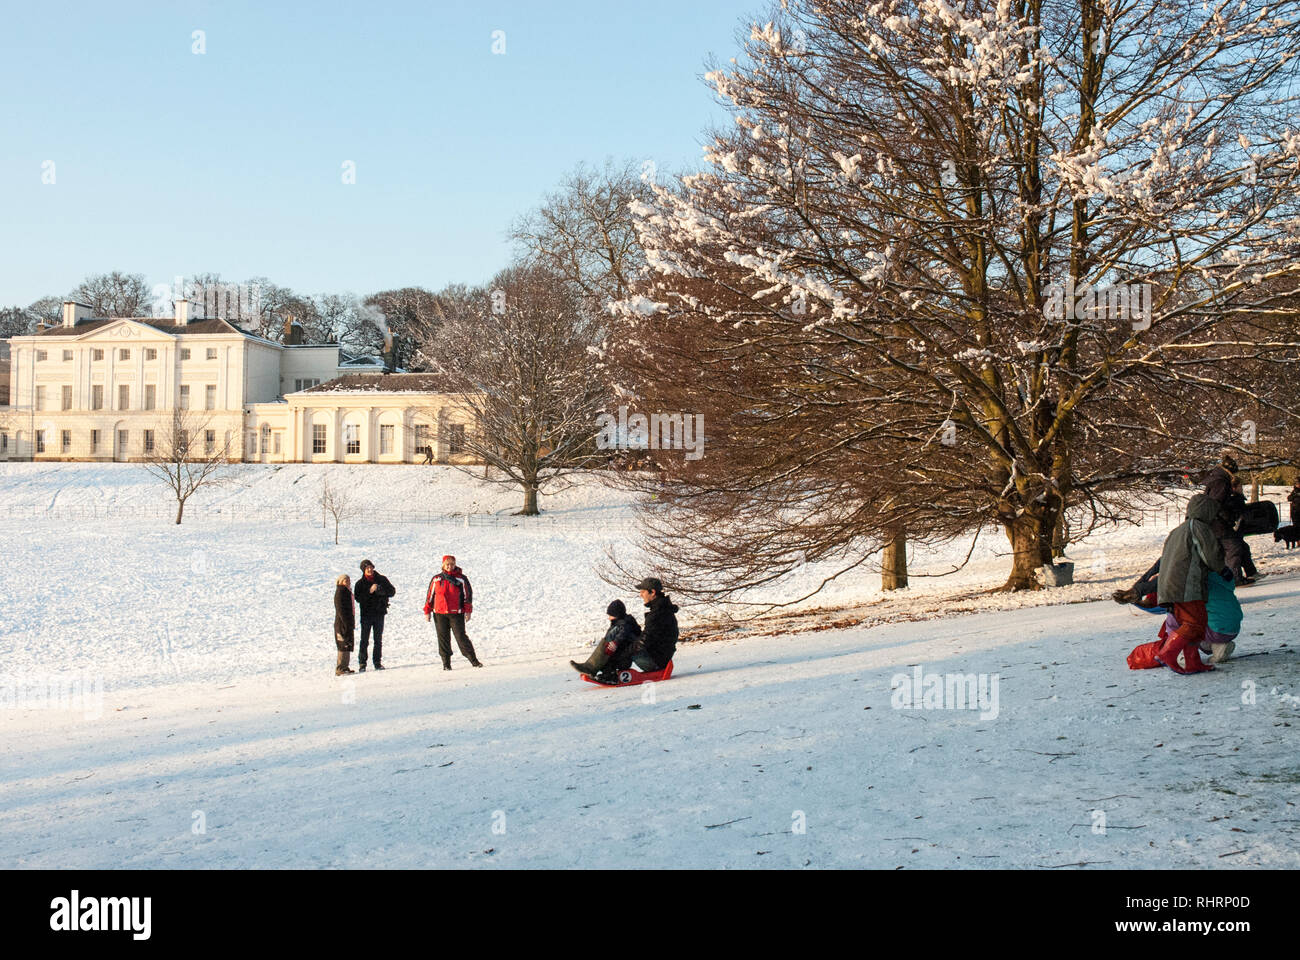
x,y
150,396
305,384
456,440
185,396
42,356
124,354
352,437
4,442
40,441
67,356
40,398
212,353
386,438
123,438
67,398
148,441
209,442
421,437
183,451
123,397
65,441
185,353
97,397
150,353
210,397
94,441
266,438
318,438
277,441
96,354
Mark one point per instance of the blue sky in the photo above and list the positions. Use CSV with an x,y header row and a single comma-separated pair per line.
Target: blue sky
x,y
168,162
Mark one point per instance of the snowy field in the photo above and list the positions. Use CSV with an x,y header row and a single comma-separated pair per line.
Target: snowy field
x,y
211,732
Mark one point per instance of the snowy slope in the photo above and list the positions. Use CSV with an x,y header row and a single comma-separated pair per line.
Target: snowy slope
x,y
415,767
211,645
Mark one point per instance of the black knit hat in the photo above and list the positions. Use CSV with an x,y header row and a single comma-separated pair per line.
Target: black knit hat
x,y
616,609
365,564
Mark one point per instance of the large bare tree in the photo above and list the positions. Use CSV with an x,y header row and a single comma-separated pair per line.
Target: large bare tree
x,y
518,352
187,455
968,264
584,230
115,294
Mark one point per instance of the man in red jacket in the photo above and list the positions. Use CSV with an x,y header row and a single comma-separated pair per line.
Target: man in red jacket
x,y
449,603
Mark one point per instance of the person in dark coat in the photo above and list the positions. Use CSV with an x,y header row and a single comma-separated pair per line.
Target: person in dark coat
x,y
449,602
623,632
1293,498
1235,548
345,624
1219,488
659,640
373,592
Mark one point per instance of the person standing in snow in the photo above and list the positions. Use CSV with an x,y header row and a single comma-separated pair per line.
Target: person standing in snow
x,y
449,602
1191,553
345,624
1235,548
373,592
623,632
1293,498
1218,487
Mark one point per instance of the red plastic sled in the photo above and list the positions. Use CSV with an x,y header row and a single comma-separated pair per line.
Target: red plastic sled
x,y
630,678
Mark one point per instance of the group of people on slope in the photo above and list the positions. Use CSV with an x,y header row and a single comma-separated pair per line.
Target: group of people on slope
x,y
448,604
1204,560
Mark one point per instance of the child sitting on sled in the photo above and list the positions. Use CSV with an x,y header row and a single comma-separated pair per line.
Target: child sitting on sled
x,y
1191,555
615,650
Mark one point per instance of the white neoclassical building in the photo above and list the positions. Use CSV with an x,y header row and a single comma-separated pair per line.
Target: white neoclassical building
x,y
361,418
102,388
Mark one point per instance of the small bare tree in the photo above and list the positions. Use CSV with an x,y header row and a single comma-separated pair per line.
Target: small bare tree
x,y
337,504
185,454
518,355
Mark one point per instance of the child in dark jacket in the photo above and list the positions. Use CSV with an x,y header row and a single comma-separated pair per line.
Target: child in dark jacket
x,y
345,624
623,632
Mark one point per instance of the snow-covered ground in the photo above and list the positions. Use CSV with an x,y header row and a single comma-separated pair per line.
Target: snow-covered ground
x,y
210,730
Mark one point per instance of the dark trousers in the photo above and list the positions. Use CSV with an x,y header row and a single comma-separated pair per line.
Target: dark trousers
x,y
445,624
1147,583
368,624
623,656
1236,555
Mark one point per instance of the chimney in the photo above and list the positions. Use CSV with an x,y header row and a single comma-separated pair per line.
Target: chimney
x,y
390,353
74,313
292,333
182,312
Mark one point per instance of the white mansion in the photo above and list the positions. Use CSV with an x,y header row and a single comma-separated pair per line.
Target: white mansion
x,y
103,388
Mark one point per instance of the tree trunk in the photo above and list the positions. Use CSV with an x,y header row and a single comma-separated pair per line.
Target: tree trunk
x,y
1025,534
180,511
336,531
893,566
530,500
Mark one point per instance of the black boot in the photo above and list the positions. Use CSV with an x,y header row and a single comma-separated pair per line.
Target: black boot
x,y
446,666
362,668
582,667
475,663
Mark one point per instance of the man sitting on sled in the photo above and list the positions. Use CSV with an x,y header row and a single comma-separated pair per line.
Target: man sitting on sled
x,y
624,644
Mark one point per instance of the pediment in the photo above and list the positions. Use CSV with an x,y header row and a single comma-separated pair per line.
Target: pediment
x,y
128,331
